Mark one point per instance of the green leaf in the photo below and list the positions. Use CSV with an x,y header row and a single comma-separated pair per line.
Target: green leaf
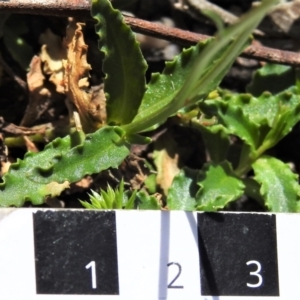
x,y
279,185
285,120
119,195
150,183
181,194
218,186
265,108
229,43
146,201
272,78
215,18
108,197
216,139
234,120
258,121
123,64
208,69
162,88
111,199
131,200
96,201
29,180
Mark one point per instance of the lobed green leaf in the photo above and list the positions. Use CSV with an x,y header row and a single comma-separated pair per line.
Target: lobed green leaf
x,y
279,185
258,121
233,118
218,186
217,142
272,78
123,64
209,67
48,172
163,87
265,108
181,194
146,201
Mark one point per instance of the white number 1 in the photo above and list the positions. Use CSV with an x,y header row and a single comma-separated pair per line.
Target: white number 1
x,y
255,273
92,265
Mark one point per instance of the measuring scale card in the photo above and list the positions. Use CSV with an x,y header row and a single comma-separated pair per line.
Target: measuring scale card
x,y
89,254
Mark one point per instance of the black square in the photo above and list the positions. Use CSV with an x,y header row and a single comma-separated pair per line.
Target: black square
x,y
227,242
76,252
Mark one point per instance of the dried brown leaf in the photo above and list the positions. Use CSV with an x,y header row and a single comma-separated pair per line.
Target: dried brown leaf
x,y
39,95
13,129
284,19
166,159
52,54
83,184
134,171
76,74
30,146
4,161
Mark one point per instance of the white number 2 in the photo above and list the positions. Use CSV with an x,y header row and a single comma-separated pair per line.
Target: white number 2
x,y
92,265
255,273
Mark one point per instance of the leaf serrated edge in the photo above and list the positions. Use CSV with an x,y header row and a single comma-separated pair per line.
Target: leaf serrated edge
x,y
115,113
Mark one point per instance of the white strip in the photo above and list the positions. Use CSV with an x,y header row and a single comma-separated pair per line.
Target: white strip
x,y
17,266
288,247
17,270
147,242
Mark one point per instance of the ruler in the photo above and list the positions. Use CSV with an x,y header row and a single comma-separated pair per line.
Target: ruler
x,y
88,254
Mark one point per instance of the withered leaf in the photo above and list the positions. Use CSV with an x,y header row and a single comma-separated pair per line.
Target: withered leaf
x,y
166,160
76,84
52,54
39,95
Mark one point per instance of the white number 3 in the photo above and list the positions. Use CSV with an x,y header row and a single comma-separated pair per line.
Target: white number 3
x,y
255,273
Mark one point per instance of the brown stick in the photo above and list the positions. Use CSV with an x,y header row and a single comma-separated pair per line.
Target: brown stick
x,y
187,38
81,8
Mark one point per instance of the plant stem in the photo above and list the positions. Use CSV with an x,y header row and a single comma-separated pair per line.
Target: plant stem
x,y
248,157
47,136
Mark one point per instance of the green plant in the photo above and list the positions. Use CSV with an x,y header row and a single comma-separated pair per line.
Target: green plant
x,y
120,199
135,107
112,199
259,123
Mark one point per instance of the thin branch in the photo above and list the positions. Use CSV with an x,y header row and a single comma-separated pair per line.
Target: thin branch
x,y
187,38
81,8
